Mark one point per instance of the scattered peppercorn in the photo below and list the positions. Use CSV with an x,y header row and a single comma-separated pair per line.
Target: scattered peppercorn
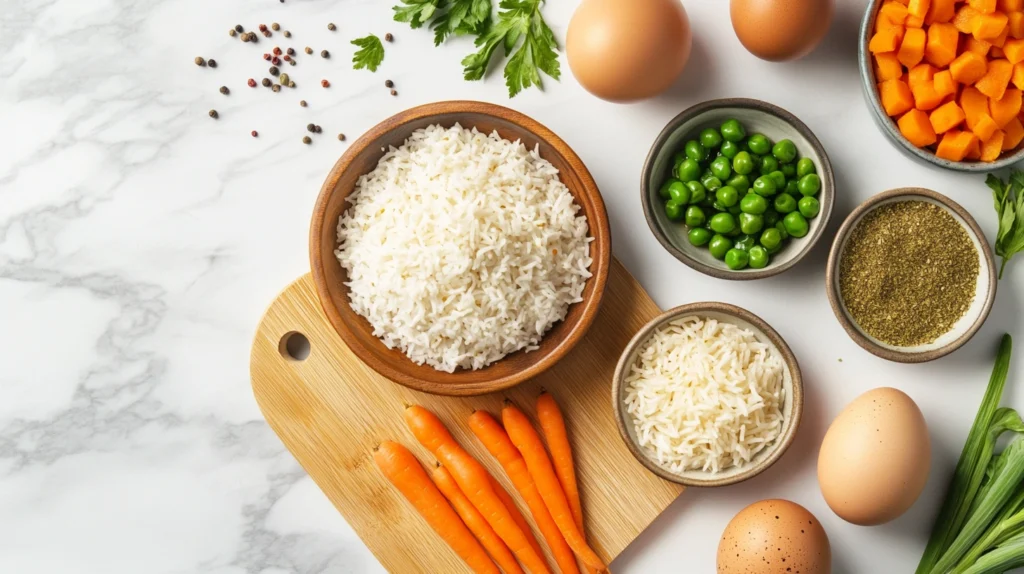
x,y
276,88
307,140
277,50
287,34
291,84
267,33
284,79
309,50
214,114
275,61
274,71
319,129
252,83
325,83
224,90
239,28
341,137
212,63
286,58
394,92
325,54
263,27
267,82
388,37
232,33
291,62
200,61
255,133
267,57
244,37
291,51
311,128
275,26
302,103
332,27
389,84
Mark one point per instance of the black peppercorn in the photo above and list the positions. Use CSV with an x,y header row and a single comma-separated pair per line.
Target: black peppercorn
x,y
239,28
341,137
200,61
224,90
319,129
212,63
388,37
276,88
302,103
267,82
332,27
287,34
274,71
291,51
311,128
214,114
307,140
325,54
389,84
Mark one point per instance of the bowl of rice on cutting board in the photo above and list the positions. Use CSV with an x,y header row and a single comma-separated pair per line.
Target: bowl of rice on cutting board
x,y
460,248
707,394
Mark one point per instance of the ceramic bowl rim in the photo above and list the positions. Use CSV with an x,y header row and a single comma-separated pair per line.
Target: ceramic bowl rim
x,y
781,444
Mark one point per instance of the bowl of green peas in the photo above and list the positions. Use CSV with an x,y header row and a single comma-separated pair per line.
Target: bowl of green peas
x,y
737,188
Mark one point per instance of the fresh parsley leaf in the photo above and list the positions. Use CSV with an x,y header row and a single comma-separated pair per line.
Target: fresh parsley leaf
x,y
416,12
446,17
370,53
518,19
1008,198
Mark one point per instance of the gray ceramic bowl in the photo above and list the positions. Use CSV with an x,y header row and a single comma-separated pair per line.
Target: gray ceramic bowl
x,y
965,328
870,86
792,384
757,117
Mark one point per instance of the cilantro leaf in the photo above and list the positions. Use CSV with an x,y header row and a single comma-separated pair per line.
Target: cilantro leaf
x,y
416,12
370,53
517,20
1008,198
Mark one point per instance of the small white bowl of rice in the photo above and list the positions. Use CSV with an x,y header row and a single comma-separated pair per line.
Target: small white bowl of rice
x,y
707,394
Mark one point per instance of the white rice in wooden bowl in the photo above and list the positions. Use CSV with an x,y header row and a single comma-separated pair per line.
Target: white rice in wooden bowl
x,y
462,247
705,395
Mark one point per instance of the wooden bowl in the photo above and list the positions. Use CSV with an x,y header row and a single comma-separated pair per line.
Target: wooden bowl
x,y
965,328
757,117
792,384
329,277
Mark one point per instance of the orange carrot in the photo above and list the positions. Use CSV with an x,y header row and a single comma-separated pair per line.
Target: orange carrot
x,y
517,516
403,470
496,440
475,521
526,439
475,482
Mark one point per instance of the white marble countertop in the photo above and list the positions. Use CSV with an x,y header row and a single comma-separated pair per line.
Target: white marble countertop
x,y
140,241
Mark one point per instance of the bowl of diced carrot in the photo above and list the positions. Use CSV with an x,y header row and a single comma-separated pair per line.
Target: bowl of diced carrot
x,y
944,79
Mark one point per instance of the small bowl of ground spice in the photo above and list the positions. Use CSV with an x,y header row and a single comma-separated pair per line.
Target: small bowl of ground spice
x,y
910,275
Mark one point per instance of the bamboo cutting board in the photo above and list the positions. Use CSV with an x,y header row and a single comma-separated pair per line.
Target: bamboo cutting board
x,y
330,410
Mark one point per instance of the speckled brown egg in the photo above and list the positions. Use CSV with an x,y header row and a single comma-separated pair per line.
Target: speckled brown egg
x,y
774,537
778,30
874,459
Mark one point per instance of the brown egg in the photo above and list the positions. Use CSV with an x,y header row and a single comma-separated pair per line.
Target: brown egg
x,y
875,457
774,536
626,50
778,30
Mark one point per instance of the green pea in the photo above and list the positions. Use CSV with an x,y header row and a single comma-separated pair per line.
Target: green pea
x,y
805,167
733,131
771,237
744,242
710,138
758,257
718,206
771,217
674,210
720,168
695,151
719,245
795,224
750,223
734,234
679,193
722,222
784,151
736,259
688,170
753,204
694,216
677,158
809,207
664,190
769,164
699,236
775,249
810,184
760,144
697,191
729,149
727,196
743,163
740,182
705,174
779,179
793,188
784,203
781,227
764,186
711,183
788,170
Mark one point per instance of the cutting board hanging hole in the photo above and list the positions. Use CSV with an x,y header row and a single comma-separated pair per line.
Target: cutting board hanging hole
x,y
294,346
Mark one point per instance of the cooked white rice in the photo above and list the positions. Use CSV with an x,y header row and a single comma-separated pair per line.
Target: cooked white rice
x,y
705,395
462,247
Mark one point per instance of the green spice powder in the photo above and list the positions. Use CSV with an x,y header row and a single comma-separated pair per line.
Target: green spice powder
x,y
908,273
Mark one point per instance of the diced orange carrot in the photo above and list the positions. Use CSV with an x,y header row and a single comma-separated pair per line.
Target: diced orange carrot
x,y
983,6
940,11
968,67
985,127
944,118
1010,5
894,11
954,145
979,47
896,97
999,40
887,66
996,78
1013,49
914,126
918,9
1016,24
996,52
941,45
945,85
914,22
920,73
974,150
993,146
989,26
1005,108
1014,134
912,48
925,96
974,104
964,19
1018,75
886,40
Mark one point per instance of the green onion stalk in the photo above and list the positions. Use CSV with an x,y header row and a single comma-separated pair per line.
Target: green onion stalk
x,y
1007,556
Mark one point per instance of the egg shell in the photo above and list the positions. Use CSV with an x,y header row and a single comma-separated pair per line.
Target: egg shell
x,y
778,30
626,50
774,536
875,457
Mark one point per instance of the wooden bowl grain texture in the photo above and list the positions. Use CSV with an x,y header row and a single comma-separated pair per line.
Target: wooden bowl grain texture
x,y
792,408
330,278
969,324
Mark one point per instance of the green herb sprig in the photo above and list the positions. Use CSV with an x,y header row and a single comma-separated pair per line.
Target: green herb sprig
x,y
446,17
370,53
518,19
1009,203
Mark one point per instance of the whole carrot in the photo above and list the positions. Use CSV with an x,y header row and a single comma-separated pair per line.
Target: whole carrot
x,y
475,482
496,440
402,469
517,516
475,521
526,439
